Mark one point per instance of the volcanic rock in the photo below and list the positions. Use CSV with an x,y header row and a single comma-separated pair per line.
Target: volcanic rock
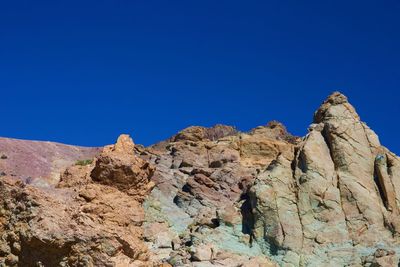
x,y
334,198
207,197
118,166
79,223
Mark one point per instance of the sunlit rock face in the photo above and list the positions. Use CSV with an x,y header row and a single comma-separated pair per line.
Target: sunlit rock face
x,y
88,219
334,202
210,197
118,166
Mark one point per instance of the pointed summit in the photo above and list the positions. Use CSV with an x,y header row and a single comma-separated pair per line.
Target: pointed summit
x,y
343,156
336,98
119,167
124,144
336,107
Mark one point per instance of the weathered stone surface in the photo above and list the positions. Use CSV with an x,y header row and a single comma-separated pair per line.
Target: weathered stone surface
x,y
273,198
118,166
208,181
338,194
79,223
215,197
196,133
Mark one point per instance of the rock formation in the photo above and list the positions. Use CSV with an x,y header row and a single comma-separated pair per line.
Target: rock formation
x,y
332,202
118,166
85,221
208,197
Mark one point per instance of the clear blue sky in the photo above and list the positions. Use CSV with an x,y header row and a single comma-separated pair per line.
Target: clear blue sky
x,y
82,72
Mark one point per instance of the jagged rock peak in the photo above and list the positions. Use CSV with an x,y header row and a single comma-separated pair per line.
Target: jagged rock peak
x,y
336,107
118,166
336,98
124,144
340,191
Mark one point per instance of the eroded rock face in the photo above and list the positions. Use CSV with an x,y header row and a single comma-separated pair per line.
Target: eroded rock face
x,y
118,166
337,192
217,197
82,222
201,196
197,133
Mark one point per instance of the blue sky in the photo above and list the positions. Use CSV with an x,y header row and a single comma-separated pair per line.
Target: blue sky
x,y
82,72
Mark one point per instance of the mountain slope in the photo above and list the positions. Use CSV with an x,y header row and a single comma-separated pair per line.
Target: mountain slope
x,y
39,162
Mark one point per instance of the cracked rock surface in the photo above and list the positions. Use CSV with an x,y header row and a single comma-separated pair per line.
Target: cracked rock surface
x,y
211,197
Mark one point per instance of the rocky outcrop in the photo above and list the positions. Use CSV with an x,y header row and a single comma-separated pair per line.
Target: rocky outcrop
x,y
200,202
333,201
328,199
82,222
118,166
196,133
216,197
